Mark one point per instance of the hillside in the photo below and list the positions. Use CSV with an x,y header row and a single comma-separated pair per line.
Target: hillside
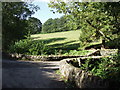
x,y
68,40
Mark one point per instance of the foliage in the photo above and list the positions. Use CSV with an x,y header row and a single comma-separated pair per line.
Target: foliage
x,y
106,68
109,68
47,26
60,43
20,46
14,18
58,25
34,25
28,46
97,19
53,25
38,48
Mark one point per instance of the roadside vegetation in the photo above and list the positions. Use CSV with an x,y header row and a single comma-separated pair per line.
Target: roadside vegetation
x,y
86,25
108,68
99,23
62,43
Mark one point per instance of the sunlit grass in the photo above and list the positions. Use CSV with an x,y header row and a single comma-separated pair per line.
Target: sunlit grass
x,y
69,37
67,43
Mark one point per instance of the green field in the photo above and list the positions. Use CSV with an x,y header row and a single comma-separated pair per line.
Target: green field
x,y
68,40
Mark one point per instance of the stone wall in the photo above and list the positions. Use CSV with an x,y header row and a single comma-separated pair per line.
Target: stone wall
x,y
108,52
42,58
103,52
79,77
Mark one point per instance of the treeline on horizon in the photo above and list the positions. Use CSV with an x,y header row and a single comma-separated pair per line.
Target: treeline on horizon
x,y
59,25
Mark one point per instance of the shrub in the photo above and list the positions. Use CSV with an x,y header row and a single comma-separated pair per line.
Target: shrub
x,y
21,46
28,46
106,68
37,48
109,68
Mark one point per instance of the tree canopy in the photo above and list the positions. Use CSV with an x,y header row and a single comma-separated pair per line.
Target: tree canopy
x,y
54,25
97,19
59,24
14,21
34,25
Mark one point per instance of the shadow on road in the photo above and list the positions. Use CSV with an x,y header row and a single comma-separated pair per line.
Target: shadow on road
x,y
30,74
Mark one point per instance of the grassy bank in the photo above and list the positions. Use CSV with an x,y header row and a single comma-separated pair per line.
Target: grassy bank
x,y
68,37
60,42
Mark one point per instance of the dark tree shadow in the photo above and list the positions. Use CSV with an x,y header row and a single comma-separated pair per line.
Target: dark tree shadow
x,y
47,41
64,47
35,37
113,44
20,74
61,44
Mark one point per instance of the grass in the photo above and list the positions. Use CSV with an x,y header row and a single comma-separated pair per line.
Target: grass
x,y
65,43
61,41
68,37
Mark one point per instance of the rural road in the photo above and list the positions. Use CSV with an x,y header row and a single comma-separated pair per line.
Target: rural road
x,y
31,74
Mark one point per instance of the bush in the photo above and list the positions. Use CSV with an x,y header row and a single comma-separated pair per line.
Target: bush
x,y
38,48
109,68
106,68
28,46
21,46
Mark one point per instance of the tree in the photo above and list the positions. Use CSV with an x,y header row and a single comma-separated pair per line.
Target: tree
x,y
47,25
14,25
59,24
113,9
34,25
95,18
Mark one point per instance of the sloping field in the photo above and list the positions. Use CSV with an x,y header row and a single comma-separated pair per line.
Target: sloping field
x,y
63,40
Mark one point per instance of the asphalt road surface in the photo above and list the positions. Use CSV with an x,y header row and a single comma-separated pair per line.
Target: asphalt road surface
x,y
31,74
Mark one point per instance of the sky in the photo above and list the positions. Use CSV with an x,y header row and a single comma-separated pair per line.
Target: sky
x,y
44,13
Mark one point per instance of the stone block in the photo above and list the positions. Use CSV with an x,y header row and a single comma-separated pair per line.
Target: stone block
x,y
108,52
81,78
